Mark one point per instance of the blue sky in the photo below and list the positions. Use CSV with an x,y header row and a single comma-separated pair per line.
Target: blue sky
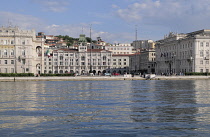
x,y
114,20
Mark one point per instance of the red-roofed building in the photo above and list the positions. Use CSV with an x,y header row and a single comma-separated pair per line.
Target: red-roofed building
x,y
80,60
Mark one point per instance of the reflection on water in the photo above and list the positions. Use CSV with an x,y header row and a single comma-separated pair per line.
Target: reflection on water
x,y
105,108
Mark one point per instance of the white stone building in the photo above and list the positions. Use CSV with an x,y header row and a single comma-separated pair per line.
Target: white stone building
x,y
120,63
143,44
20,51
81,60
134,63
147,61
180,53
120,48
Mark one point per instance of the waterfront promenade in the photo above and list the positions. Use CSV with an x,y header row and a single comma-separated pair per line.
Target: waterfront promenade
x,y
89,78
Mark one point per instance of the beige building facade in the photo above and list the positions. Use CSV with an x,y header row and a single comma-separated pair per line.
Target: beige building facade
x,y
120,48
147,61
143,44
20,51
181,53
81,61
120,64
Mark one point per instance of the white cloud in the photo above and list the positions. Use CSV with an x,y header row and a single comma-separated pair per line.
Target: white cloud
x,y
73,30
181,15
20,20
53,5
114,6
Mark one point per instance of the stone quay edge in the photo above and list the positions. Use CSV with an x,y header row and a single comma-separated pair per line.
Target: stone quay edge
x,y
100,78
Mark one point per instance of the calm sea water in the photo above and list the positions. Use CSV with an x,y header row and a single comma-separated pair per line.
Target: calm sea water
x,y
105,108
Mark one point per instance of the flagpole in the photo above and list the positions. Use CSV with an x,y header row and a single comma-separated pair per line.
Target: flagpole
x,y
90,51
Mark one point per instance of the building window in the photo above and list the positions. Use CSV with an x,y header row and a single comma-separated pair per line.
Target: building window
x,y
12,70
12,61
201,62
83,58
5,70
104,57
201,53
5,61
23,61
201,70
5,42
201,44
207,53
207,44
12,52
23,52
5,52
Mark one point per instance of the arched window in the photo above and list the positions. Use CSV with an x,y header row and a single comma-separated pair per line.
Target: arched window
x,y
39,50
12,52
104,57
5,52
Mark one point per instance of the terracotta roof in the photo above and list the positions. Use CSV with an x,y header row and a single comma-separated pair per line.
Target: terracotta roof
x,y
98,44
97,50
69,50
49,35
122,54
39,36
76,50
